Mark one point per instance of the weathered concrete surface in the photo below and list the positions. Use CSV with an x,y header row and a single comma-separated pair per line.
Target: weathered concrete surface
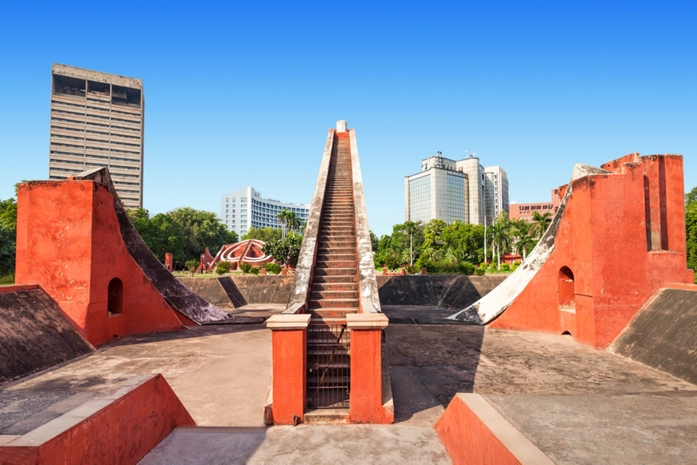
x,y
620,238
369,296
576,404
211,290
354,444
264,289
658,428
446,291
34,334
176,294
308,249
663,334
220,373
144,408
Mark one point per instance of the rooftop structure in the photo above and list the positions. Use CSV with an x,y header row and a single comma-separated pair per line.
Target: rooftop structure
x,y
97,120
246,208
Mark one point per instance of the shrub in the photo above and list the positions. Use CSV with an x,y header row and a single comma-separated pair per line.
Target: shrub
x,y
466,268
411,269
254,270
222,268
479,272
515,266
7,279
483,266
505,267
192,264
245,267
273,268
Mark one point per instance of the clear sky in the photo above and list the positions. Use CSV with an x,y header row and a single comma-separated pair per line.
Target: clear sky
x,y
242,93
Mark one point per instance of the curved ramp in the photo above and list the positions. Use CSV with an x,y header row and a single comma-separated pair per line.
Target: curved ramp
x,y
663,334
498,300
180,297
34,335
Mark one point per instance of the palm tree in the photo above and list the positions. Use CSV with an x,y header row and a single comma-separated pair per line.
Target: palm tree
x,y
526,242
283,219
499,239
410,228
541,222
293,222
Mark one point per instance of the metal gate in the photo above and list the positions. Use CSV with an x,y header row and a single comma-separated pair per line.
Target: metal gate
x,y
328,365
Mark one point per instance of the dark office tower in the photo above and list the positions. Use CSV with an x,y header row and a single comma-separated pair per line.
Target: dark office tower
x,y
97,120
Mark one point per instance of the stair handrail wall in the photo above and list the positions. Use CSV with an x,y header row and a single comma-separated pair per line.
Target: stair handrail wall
x,y
369,299
300,291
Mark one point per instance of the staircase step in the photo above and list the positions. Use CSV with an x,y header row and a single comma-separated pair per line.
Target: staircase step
x,y
334,294
326,416
316,287
327,304
335,272
346,278
335,264
334,311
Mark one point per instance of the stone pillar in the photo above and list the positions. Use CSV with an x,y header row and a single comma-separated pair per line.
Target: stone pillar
x,y
366,403
289,353
169,262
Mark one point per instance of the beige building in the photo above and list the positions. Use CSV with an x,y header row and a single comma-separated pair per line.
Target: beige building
x,y
97,120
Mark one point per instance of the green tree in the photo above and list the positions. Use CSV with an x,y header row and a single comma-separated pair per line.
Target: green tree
x,y
691,229
263,234
286,250
289,220
8,235
500,237
541,222
409,229
374,242
201,230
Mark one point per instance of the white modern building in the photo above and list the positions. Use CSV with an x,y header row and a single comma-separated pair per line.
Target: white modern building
x,y
453,190
246,208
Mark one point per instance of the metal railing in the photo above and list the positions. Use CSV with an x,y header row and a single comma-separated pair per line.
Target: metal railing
x,y
328,366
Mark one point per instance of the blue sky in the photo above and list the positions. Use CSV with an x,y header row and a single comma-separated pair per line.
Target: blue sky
x,y
242,93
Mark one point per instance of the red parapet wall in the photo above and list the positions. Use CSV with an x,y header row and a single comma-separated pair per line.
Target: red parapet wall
x,y
474,433
120,426
621,238
69,242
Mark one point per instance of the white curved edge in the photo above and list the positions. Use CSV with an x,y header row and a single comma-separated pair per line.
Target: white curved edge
x,y
502,296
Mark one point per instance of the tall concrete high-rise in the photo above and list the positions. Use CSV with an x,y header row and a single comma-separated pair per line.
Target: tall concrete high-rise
x,y
496,192
455,190
97,119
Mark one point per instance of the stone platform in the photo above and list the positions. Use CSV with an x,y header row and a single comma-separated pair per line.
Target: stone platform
x,y
576,404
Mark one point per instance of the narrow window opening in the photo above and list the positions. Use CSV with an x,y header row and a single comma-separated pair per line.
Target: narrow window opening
x,y
567,290
115,300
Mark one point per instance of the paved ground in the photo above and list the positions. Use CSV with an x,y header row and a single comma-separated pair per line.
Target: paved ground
x,y
337,444
220,373
578,405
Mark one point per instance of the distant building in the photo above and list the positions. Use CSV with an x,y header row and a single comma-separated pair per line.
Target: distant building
x,y
453,190
524,211
97,120
246,208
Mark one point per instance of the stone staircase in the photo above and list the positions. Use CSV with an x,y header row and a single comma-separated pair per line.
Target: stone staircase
x,y
335,289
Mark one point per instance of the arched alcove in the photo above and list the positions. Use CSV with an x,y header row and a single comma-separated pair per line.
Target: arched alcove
x,y
115,299
567,289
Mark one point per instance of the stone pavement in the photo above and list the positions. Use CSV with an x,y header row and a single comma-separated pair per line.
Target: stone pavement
x,y
577,404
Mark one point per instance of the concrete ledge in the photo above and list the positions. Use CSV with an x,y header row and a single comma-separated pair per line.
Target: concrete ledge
x,y
473,432
119,426
362,321
18,287
294,321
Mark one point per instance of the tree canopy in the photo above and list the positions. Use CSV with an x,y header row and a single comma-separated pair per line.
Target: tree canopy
x,y
184,232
